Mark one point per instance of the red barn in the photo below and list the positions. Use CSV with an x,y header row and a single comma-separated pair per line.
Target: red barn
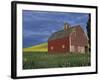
x,y
71,39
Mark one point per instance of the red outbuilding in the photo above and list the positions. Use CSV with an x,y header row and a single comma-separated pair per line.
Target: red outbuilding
x,y
70,39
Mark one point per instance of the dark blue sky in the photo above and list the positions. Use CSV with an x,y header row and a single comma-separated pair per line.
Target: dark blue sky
x,y
39,25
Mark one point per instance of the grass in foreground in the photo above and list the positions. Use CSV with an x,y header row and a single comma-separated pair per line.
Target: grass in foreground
x,y
36,60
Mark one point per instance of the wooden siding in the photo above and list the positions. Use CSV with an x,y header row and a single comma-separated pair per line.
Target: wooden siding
x,y
58,45
78,37
79,40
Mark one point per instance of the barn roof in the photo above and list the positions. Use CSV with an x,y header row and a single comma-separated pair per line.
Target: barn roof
x,y
62,33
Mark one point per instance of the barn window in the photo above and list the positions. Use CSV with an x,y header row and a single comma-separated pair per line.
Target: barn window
x,y
51,47
74,33
63,46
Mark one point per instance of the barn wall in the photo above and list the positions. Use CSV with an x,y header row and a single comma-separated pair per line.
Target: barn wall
x,y
58,45
79,39
79,49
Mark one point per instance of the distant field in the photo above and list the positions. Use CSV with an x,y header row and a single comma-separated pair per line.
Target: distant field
x,y
33,60
40,47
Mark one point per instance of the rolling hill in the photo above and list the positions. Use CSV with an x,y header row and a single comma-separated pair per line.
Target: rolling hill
x,y
37,48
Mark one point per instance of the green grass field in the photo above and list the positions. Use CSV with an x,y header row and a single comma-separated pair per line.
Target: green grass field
x,y
36,60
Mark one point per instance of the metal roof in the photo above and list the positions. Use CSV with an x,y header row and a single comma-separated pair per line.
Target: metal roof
x,y
61,34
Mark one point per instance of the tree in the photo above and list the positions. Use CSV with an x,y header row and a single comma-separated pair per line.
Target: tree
x,y
88,27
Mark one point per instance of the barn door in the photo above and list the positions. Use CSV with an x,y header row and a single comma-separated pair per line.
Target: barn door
x,y
86,49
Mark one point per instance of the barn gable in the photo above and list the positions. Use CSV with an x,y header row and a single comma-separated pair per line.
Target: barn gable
x,y
78,40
